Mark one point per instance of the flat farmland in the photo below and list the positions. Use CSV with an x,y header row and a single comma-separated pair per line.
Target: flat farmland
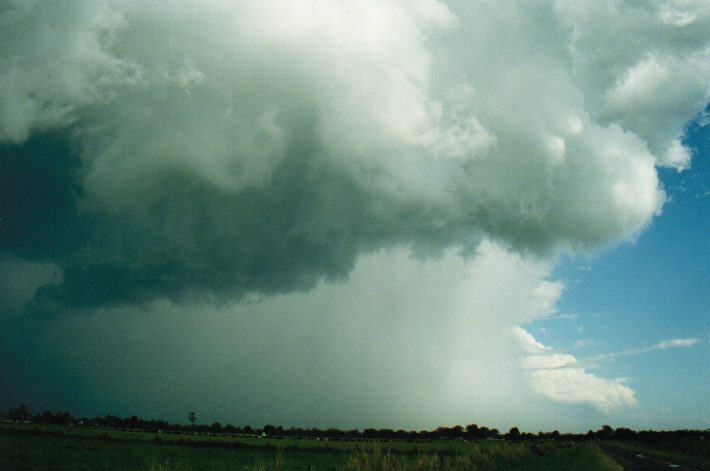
x,y
28,447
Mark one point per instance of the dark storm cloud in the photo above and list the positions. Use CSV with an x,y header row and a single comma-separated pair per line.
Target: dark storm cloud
x,y
259,148
163,167
39,187
195,241
192,239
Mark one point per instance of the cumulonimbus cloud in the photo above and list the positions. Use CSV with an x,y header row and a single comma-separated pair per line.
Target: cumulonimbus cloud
x,y
225,148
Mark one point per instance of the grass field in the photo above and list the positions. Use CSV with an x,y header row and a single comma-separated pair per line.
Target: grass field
x,y
26,446
584,456
95,452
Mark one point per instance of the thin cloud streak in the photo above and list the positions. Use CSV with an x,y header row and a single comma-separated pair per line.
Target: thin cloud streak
x,y
663,345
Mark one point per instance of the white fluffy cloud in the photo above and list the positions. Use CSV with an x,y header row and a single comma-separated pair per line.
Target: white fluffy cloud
x,y
575,386
353,126
561,379
643,66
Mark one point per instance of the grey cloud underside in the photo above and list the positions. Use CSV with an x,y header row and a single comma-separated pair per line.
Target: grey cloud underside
x,y
260,148
193,240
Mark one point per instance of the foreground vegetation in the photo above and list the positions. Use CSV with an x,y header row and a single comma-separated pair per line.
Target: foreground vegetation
x,y
41,448
58,441
547,456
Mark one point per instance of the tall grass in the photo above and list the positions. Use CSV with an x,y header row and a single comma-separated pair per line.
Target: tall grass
x,y
169,466
277,464
487,457
491,457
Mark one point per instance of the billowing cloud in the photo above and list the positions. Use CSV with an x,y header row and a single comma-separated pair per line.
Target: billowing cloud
x,y
575,386
184,162
648,85
561,379
223,149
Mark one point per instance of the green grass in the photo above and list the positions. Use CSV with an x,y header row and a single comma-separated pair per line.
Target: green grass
x,y
19,452
64,448
503,457
443,446
585,456
497,456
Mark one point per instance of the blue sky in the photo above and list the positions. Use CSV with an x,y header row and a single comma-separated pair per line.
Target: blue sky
x,y
634,295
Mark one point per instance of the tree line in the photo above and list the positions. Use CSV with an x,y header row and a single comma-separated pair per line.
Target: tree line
x,y
457,432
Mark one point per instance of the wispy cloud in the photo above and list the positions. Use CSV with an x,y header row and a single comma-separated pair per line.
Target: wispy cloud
x,y
662,345
582,343
675,343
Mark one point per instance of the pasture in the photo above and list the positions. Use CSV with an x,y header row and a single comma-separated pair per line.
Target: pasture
x,y
29,446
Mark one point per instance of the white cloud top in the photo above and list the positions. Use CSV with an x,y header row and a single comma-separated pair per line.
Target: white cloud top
x,y
353,126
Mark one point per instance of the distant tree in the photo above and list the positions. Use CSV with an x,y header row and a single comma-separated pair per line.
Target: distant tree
x,y
192,418
216,427
370,433
513,434
606,432
63,418
485,432
21,413
46,417
623,433
472,430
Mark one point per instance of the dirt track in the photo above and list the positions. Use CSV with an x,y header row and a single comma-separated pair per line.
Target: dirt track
x,y
633,461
